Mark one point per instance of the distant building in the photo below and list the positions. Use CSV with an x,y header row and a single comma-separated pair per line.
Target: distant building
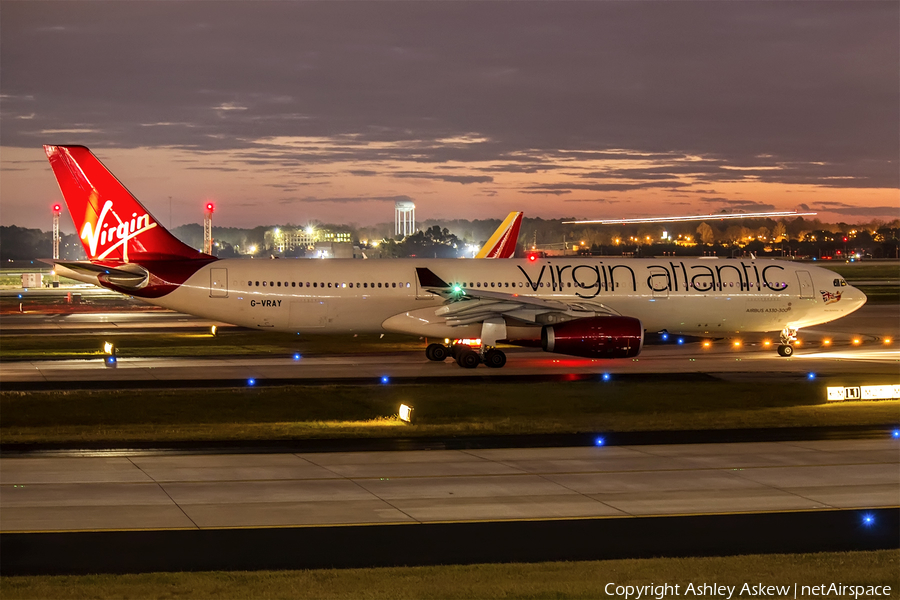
x,y
282,240
404,218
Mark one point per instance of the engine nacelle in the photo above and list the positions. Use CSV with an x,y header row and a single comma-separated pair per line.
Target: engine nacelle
x,y
595,337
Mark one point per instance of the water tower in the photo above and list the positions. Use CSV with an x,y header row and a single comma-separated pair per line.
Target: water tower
x,y
404,218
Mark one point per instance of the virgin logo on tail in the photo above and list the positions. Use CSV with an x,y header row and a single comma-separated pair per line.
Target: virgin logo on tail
x,y
100,234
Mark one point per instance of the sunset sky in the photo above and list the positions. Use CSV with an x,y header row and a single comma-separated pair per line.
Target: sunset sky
x,y
331,111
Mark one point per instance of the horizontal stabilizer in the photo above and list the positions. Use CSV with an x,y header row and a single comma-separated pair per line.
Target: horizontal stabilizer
x,y
129,276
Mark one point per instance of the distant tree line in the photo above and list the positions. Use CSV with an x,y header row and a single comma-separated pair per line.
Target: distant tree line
x,y
449,239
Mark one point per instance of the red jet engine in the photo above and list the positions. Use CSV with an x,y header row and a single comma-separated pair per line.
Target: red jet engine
x,y
595,337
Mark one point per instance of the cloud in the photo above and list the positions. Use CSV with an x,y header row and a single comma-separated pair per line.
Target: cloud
x,y
346,199
552,188
740,205
463,179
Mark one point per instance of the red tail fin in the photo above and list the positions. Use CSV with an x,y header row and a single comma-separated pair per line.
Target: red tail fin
x,y
112,224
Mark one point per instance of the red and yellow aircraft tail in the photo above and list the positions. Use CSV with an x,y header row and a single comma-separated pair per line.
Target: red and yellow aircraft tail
x,y
112,224
503,243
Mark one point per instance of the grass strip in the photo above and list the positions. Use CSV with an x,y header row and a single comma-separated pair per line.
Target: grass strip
x,y
339,411
516,580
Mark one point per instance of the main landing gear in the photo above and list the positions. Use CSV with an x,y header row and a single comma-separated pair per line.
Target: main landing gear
x,y
465,356
788,338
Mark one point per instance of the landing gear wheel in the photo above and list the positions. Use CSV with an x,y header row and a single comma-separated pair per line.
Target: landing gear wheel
x,y
785,350
436,352
467,359
494,358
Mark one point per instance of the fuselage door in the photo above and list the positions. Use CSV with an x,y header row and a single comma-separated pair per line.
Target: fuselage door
x,y
218,283
806,284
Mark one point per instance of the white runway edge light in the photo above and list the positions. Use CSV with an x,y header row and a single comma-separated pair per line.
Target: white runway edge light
x,y
405,413
864,392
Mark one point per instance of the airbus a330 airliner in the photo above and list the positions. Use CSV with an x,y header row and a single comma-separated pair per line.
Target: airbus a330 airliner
x,y
590,307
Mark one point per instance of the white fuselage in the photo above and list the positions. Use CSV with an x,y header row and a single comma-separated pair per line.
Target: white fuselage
x,y
685,296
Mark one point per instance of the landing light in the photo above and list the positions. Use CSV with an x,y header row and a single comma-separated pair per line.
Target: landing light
x,y
405,413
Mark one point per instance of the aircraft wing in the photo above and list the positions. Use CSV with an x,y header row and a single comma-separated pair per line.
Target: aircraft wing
x,y
465,306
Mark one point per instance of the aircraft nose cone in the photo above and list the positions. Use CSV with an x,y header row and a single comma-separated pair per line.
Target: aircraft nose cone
x,y
857,299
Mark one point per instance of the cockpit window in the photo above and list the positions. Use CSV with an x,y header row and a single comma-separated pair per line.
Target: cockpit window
x,y
839,283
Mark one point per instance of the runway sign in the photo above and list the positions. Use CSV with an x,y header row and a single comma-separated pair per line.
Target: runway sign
x,y
864,392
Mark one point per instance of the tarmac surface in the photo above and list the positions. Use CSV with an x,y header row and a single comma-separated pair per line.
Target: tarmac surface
x,y
143,490
876,327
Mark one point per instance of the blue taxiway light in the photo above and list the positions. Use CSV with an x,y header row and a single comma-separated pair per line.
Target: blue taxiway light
x,y
680,340
297,356
665,337
111,360
868,519
811,376
896,433
20,295
385,379
606,376
251,382
598,441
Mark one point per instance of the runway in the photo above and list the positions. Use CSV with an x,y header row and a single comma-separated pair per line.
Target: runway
x,y
140,511
522,363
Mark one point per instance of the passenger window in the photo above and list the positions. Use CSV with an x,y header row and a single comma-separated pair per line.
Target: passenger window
x,y
393,285
257,284
315,284
279,284
379,284
293,284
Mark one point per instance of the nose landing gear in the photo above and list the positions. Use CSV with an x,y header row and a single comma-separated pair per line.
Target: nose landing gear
x,y
788,339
